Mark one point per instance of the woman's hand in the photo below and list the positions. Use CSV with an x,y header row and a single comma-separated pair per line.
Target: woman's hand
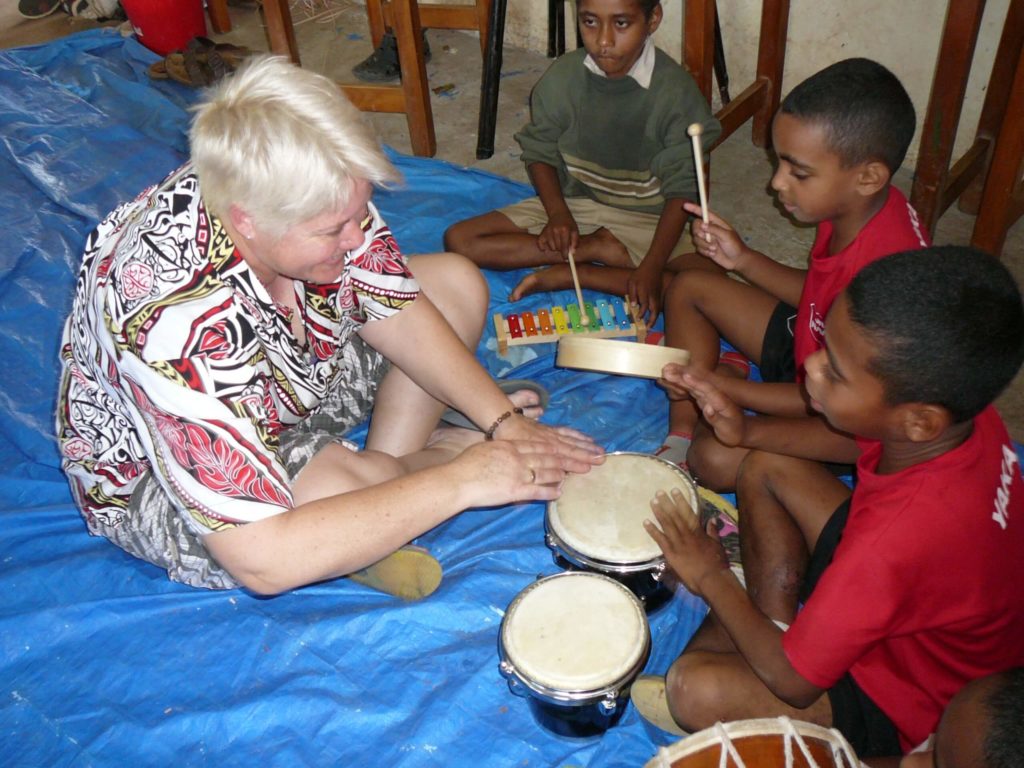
x,y
692,554
574,446
498,472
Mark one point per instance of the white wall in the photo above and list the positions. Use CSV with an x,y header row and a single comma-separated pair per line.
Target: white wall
x,y
901,34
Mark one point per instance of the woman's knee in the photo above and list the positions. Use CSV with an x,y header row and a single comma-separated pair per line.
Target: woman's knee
x,y
455,285
337,469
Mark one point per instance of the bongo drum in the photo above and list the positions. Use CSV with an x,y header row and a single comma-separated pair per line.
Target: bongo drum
x,y
777,742
572,644
597,523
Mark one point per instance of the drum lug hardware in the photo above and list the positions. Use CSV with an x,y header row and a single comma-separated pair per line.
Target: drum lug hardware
x,y
658,571
609,703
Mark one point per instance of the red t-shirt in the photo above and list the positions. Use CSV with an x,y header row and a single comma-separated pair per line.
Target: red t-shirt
x,y
893,229
926,590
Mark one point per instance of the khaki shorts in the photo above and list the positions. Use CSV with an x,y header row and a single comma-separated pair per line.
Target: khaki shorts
x,y
634,230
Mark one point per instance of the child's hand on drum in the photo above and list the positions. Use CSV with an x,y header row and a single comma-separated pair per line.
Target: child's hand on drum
x,y
691,553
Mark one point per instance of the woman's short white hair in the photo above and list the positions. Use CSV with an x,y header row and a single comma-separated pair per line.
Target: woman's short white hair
x,y
282,143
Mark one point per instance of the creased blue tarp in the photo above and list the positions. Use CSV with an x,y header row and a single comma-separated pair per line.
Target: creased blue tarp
x,y
105,662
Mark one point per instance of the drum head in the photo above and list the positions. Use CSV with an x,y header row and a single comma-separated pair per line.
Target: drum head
x,y
575,632
600,514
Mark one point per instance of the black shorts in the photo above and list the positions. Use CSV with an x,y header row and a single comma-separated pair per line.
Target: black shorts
x,y
868,729
778,365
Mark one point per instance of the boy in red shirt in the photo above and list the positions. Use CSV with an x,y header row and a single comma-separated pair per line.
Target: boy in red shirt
x,y
912,585
839,136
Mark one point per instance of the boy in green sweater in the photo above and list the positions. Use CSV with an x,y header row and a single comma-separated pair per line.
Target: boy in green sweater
x,y
608,153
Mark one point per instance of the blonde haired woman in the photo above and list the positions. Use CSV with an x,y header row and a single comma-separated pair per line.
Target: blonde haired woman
x,y
233,322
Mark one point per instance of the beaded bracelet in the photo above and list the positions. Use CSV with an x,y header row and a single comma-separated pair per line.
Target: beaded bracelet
x,y
489,434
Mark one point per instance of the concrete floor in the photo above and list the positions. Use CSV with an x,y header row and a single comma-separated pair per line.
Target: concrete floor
x,y
333,36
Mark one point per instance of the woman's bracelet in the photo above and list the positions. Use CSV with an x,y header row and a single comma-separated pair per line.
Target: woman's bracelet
x,y
489,434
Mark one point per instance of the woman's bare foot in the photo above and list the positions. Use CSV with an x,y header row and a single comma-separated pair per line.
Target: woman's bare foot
x,y
553,278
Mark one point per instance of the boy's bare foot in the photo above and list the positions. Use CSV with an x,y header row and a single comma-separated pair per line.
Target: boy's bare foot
x,y
554,278
602,247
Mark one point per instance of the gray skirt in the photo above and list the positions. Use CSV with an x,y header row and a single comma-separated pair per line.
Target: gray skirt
x,y
155,529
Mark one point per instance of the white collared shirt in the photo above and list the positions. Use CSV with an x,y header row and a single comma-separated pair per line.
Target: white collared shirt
x,y
641,71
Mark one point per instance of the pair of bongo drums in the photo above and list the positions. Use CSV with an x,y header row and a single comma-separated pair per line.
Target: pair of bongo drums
x,y
573,643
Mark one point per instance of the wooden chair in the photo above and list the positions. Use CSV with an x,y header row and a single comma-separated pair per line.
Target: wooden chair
x,y
987,179
406,19
758,101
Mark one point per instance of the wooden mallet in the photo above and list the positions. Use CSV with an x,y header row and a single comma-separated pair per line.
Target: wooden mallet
x,y
695,130
584,318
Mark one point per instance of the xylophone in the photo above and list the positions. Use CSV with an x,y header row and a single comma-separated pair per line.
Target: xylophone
x,y
609,318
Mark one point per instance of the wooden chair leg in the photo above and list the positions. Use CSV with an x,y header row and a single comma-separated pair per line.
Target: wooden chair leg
x,y
759,100
771,61
1002,201
938,132
280,31
996,100
220,21
375,16
418,111
698,48
483,23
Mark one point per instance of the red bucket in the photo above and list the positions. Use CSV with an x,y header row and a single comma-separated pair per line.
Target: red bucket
x,y
165,25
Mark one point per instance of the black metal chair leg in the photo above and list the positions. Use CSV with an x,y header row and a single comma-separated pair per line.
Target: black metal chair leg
x,y
490,81
721,73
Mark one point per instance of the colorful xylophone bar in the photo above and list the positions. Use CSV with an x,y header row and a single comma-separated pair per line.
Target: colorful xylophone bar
x,y
609,318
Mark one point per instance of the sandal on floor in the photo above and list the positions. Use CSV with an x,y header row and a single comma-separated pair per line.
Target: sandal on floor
x,y
382,65
202,62
37,9
453,418
233,55
411,573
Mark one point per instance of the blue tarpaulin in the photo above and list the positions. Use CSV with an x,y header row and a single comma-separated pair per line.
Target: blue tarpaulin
x,y
106,662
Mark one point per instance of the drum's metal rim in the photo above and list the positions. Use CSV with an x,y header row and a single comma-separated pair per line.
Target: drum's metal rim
x,y
618,687
573,555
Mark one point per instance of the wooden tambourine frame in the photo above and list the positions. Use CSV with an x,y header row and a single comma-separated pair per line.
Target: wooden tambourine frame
x,y
622,358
